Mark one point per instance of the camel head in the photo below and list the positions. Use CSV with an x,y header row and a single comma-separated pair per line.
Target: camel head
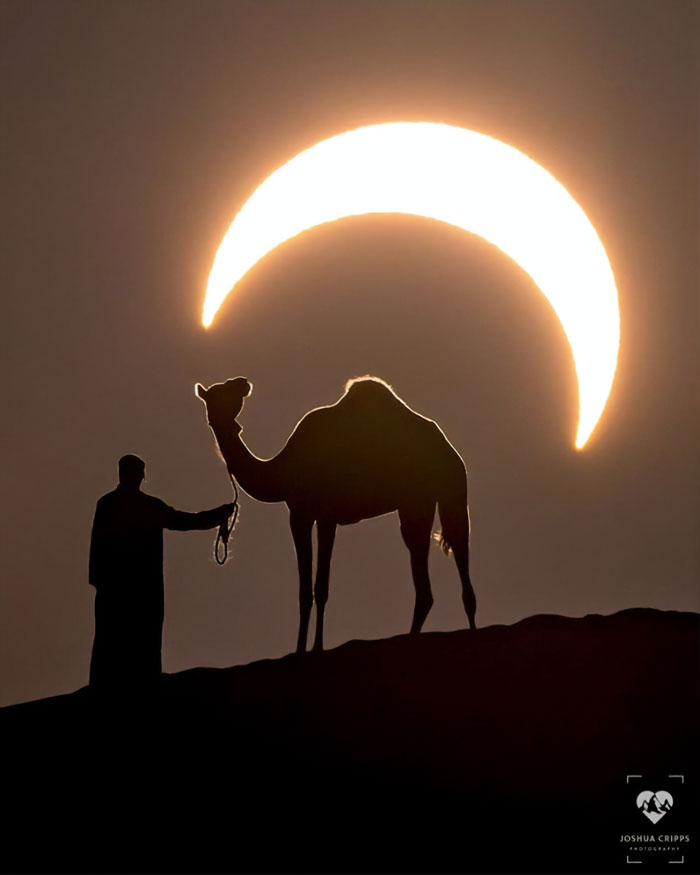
x,y
224,401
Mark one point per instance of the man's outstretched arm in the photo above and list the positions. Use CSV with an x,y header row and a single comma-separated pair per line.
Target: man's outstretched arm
x,y
181,521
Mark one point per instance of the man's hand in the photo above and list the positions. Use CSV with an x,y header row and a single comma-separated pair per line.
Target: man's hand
x,y
226,510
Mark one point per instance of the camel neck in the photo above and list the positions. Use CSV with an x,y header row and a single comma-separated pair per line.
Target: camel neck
x,y
231,429
259,478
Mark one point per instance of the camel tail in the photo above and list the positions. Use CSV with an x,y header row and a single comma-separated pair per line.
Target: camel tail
x,y
453,510
443,543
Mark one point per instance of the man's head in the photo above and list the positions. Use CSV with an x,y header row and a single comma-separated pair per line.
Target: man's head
x,y
132,471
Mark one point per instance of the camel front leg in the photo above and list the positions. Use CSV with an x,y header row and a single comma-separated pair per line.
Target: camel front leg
x,y
301,526
326,536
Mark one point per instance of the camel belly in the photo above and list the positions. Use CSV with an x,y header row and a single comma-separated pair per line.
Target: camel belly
x,y
365,471
349,493
356,515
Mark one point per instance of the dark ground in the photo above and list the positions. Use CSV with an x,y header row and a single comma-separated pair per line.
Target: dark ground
x,y
505,750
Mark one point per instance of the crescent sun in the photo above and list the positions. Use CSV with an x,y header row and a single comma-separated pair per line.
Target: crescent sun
x,y
456,176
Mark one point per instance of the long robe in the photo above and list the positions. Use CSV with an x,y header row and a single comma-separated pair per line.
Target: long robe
x,y
126,569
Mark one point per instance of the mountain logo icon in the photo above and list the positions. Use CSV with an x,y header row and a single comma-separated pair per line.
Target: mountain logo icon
x,y
654,805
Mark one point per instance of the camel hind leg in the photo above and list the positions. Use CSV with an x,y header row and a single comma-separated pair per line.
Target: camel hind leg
x,y
455,530
461,553
416,533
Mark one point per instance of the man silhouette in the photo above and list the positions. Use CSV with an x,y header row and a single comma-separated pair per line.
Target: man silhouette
x,y
126,569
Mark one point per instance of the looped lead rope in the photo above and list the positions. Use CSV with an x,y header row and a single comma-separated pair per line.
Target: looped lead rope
x,y
226,528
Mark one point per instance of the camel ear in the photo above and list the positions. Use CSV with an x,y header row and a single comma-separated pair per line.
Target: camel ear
x,y
200,391
241,386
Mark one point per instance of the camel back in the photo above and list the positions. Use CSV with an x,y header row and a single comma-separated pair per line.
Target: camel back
x,y
367,431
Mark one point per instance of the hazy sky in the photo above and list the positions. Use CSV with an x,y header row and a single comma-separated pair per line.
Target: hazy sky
x,y
132,132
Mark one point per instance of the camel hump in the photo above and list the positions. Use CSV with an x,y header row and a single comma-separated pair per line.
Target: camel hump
x,y
371,391
376,396
368,385
369,411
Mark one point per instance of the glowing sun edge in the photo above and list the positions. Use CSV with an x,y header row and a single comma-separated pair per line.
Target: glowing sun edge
x,y
456,176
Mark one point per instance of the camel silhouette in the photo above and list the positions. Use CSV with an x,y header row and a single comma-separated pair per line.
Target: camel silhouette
x,y
366,455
